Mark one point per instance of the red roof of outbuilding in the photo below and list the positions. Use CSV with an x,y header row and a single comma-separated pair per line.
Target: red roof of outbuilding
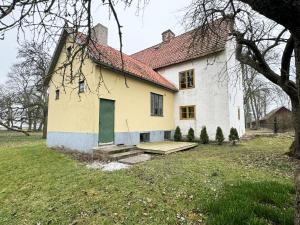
x,y
193,44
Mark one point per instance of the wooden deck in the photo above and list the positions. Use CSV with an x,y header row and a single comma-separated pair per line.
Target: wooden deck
x,y
165,147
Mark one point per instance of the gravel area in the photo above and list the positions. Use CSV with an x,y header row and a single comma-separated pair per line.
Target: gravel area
x,y
111,166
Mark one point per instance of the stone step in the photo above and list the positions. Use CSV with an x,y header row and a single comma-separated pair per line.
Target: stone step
x,y
135,159
126,154
109,150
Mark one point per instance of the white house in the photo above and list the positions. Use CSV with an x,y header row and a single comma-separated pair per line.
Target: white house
x,y
206,73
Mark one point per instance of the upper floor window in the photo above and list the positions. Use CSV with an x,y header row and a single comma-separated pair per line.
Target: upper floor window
x,y
187,112
81,86
156,105
69,52
186,79
57,94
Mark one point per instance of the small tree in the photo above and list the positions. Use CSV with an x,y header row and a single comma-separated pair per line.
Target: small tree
x,y
204,139
191,135
234,135
177,134
219,136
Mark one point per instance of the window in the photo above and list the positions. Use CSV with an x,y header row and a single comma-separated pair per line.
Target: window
x,y
187,112
81,86
186,79
239,113
156,105
167,135
57,94
144,137
69,52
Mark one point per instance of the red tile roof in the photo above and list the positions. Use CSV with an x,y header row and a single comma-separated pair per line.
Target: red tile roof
x,y
111,57
193,44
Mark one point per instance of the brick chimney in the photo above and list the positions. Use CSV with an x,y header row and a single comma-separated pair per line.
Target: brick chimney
x,y
167,35
99,34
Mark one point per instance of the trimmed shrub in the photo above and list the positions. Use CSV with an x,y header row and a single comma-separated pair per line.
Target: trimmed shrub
x,y
191,135
177,134
219,136
204,136
233,136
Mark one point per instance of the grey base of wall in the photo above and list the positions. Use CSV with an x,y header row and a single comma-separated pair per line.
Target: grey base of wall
x,y
85,142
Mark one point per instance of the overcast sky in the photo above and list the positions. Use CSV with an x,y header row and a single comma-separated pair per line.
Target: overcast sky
x,y
139,31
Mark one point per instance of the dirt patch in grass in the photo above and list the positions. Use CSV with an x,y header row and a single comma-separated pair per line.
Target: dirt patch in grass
x,y
80,156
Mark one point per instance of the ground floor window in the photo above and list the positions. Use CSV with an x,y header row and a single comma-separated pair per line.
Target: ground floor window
x,y
167,135
144,137
187,112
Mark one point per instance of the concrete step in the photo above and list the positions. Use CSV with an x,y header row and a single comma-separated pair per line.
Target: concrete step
x,y
135,159
112,149
126,154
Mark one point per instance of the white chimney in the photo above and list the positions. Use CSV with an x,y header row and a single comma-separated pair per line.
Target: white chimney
x,y
167,35
99,34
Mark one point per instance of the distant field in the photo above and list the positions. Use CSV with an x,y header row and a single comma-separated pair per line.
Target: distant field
x,y
251,183
13,139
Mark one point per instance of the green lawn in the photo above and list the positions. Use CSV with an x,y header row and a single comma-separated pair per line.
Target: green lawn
x,y
248,184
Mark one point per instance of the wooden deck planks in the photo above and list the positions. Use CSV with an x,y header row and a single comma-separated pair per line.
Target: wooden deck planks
x,y
165,147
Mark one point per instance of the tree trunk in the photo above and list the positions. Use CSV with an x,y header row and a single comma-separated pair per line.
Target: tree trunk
x,y
296,118
257,125
45,121
45,128
41,124
34,124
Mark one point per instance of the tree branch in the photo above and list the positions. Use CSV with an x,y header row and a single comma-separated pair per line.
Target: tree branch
x,y
14,129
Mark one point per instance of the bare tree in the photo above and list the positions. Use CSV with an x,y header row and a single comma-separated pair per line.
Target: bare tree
x,y
256,39
24,95
46,19
262,28
259,95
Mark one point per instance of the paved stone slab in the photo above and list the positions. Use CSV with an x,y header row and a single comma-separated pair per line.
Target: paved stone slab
x,y
136,159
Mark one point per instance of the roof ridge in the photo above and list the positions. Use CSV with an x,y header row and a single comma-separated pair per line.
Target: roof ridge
x,y
177,36
177,50
163,42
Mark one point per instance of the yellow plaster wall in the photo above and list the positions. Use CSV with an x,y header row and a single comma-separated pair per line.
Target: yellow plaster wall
x,y
75,112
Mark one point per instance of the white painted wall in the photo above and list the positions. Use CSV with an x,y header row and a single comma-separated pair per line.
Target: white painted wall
x,y
215,97
235,89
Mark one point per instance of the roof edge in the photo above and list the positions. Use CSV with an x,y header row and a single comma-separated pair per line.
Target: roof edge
x,y
131,75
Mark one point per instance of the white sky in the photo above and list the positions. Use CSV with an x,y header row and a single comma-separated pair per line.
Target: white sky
x,y
139,31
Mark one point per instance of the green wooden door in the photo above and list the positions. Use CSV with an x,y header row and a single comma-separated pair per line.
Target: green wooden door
x,y
107,121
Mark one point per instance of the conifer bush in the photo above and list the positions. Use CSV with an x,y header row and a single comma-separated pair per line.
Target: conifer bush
x,y
191,135
177,134
219,136
233,135
204,139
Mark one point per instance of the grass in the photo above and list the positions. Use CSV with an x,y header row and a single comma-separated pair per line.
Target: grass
x,y
14,139
251,183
